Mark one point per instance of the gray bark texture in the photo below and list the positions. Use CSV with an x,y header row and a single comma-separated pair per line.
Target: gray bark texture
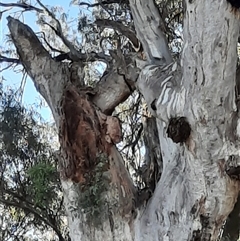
x,y
194,105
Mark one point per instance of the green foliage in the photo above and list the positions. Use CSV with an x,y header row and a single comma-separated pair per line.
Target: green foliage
x,y
43,176
93,199
30,193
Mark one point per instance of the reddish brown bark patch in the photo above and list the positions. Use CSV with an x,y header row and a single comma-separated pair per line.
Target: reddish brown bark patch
x,y
83,133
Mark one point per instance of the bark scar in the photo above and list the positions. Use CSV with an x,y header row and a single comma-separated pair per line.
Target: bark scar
x,y
84,134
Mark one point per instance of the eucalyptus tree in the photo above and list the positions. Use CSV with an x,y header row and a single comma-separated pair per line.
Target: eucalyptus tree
x,y
192,122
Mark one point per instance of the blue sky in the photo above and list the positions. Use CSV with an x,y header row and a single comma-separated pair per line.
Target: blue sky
x,y
14,80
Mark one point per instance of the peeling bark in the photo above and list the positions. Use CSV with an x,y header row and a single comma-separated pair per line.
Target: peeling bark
x,y
194,195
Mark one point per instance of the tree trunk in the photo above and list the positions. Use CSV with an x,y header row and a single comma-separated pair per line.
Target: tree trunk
x,y
195,195
197,121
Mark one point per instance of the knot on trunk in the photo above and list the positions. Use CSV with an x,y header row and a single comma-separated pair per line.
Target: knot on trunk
x,y
178,129
235,3
234,172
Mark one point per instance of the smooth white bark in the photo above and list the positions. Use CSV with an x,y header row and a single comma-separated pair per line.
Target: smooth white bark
x,y
148,25
195,195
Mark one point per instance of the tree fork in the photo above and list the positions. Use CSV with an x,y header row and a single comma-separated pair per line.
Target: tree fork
x,y
52,80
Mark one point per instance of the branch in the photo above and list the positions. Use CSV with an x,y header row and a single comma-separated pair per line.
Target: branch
x,y
9,60
87,57
34,57
28,45
52,48
112,89
148,24
121,28
25,6
35,213
59,32
104,3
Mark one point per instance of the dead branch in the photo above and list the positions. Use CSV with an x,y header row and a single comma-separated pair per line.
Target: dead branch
x,y
50,47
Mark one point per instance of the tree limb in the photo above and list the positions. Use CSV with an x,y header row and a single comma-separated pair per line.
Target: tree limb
x,y
148,24
104,3
35,213
28,48
59,32
52,48
25,6
112,89
116,86
9,60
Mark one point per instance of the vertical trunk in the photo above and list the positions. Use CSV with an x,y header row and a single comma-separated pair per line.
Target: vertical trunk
x,y
195,195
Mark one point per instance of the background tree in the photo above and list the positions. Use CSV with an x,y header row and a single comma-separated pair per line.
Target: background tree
x,y
30,197
191,122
